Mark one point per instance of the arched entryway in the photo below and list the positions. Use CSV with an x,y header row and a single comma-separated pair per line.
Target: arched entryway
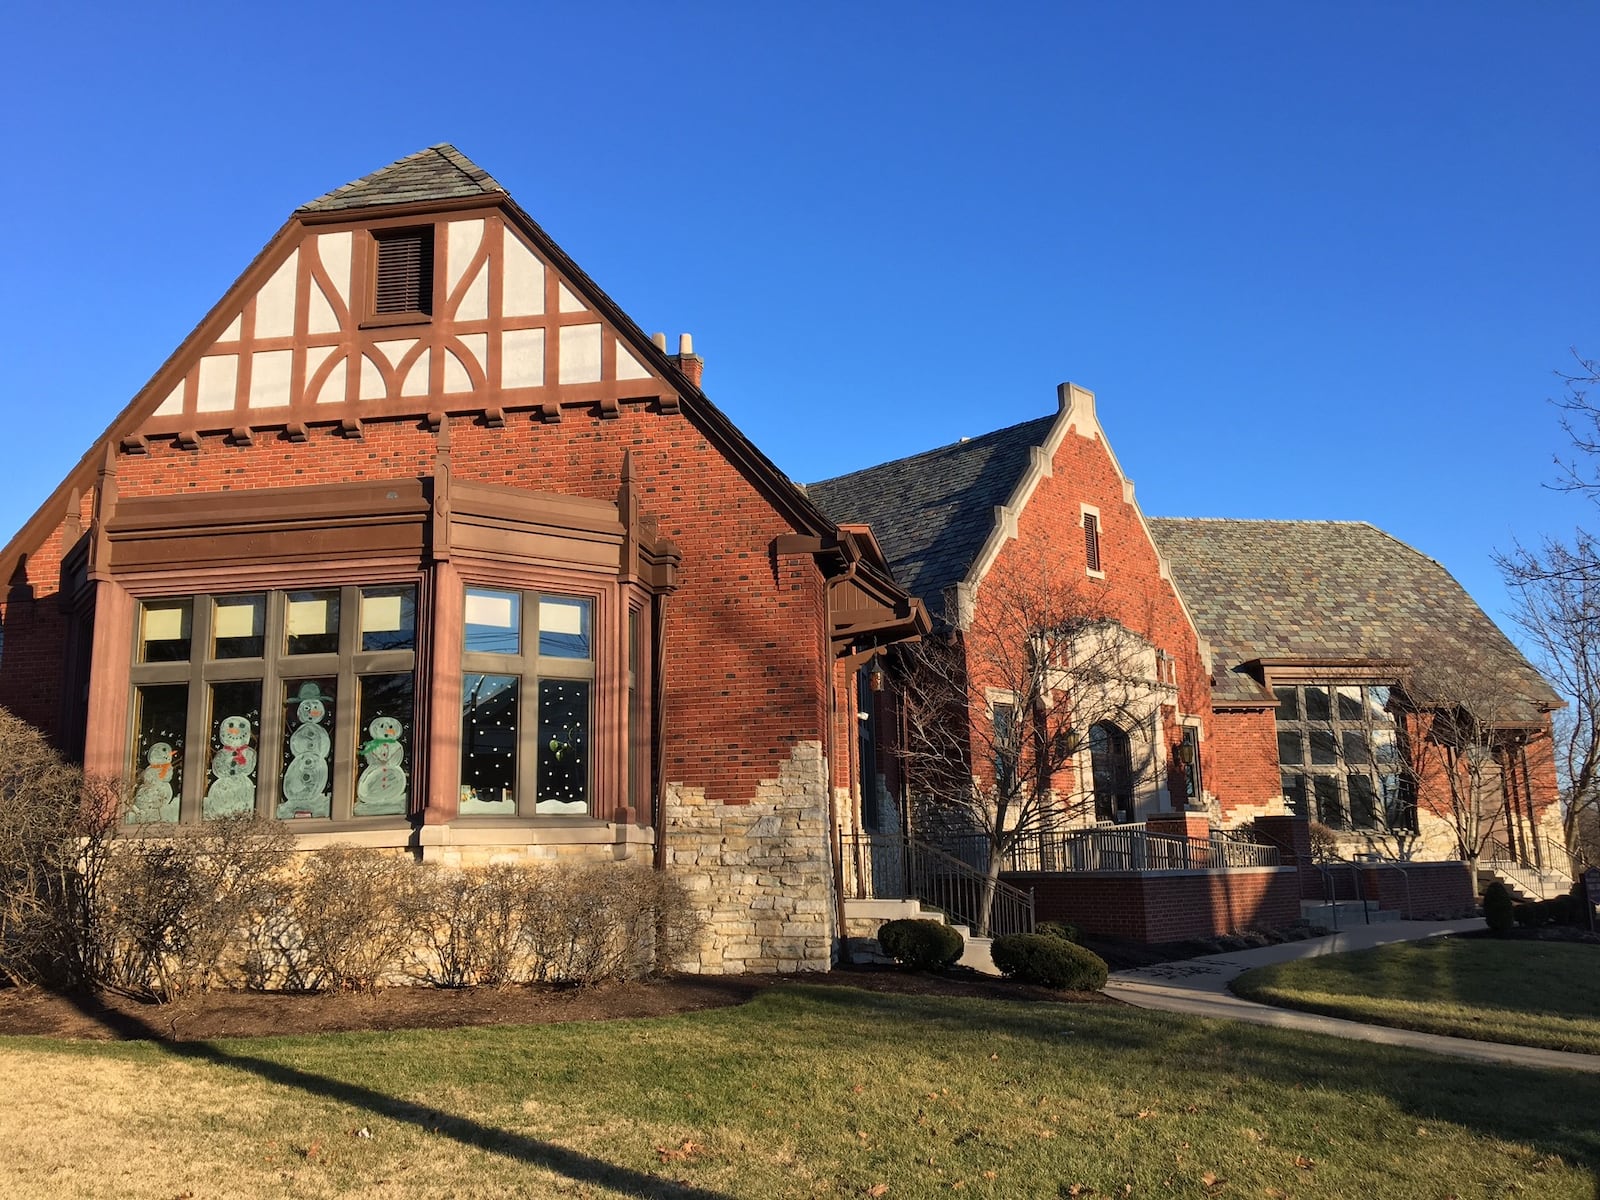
x,y
1111,765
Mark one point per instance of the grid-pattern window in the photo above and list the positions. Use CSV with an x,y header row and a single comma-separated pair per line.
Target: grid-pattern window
x,y
298,704
527,704
1091,541
1340,757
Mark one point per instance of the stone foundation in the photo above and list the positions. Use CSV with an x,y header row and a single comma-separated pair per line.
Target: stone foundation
x,y
761,873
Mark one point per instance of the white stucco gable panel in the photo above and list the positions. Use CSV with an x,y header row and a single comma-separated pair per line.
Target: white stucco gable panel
x,y
275,300
522,288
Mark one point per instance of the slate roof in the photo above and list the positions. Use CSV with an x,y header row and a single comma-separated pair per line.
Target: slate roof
x,y
1314,590
438,173
933,511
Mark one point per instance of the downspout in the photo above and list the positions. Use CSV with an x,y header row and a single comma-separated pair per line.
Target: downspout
x,y
836,849
658,722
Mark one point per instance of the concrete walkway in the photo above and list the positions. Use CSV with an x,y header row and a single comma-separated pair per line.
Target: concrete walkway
x,y
1199,988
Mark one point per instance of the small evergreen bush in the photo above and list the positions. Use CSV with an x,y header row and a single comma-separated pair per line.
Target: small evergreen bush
x,y
1049,962
1498,910
921,945
1057,929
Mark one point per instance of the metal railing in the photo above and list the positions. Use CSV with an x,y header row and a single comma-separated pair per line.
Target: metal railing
x,y
896,867
1121,848
1543,885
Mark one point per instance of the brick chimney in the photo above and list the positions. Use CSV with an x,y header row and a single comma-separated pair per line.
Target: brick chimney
x,y
687,361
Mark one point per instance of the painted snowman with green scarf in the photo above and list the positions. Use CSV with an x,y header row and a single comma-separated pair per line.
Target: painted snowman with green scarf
x,y
382,786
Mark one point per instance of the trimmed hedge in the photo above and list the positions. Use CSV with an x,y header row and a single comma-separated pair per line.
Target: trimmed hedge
x,y
1498,908
921,945
1057,929
1048,961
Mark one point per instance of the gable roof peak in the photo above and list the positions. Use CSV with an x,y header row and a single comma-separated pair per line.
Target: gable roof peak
x,y
439,172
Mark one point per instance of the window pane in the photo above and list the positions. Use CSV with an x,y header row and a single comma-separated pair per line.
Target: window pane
x,y
563,780
311,623
1329,811
383,743
1294,794
1386,750
563,627
1291,748
160,714
1363,797
307,749
164,627
1349,703
494,622
1357,754
238,626
1324,750
489,744
1378,704
389,619
1316,703
234,720
1288,703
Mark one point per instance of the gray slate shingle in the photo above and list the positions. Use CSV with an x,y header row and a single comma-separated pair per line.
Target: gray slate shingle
x,y
1333,590
438,173
932,512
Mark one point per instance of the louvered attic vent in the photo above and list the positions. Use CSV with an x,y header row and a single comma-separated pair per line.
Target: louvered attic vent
x,y
405,271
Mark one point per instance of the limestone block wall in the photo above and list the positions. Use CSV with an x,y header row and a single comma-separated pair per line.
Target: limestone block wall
x,y
760,872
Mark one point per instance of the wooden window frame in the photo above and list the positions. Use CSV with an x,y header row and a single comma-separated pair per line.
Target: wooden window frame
x,y
530,668
427,286
272,669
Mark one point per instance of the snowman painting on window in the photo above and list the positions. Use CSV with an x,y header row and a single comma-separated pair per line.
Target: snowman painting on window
x,y
382,786
305,778
233,787
154,801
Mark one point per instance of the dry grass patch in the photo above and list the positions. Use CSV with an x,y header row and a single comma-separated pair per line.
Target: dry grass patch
x,y
806,1091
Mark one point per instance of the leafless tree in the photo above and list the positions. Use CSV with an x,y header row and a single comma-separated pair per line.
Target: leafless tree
x,y
1465,719
56,827
1000,710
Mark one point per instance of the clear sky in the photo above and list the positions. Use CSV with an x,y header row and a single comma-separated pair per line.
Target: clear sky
x,y
1317,260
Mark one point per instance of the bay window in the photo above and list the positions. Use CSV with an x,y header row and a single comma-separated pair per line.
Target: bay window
x,y
297,704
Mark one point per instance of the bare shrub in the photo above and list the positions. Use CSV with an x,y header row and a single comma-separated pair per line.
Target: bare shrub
x,y
55,829
179,909
586,925
355,909
1324,842
472,923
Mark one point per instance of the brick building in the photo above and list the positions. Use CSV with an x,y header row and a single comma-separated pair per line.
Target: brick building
x,y
418,541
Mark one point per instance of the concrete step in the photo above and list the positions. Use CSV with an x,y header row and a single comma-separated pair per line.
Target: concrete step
x,y
1345,913
974,953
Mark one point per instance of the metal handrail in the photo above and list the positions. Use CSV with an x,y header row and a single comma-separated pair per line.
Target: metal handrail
x,y
896,866
1542,884
1118,848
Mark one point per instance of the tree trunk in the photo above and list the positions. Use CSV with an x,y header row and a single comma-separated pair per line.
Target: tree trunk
x,y
991,880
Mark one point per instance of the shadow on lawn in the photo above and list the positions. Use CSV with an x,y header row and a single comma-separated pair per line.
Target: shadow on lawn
x,y
572,1164
1552,1112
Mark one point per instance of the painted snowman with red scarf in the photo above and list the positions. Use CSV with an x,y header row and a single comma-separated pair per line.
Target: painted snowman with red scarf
x,y
233,788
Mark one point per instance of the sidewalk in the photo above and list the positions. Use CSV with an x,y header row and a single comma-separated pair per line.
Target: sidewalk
x,y
1199,987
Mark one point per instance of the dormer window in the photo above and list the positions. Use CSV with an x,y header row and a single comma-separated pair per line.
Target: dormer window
x,y
404,275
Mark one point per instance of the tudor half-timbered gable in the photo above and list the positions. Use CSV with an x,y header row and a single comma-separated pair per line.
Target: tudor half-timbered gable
x,y
419,540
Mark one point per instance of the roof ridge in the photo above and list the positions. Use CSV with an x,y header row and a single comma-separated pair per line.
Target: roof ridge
x,y
470,172
1275,521
955,445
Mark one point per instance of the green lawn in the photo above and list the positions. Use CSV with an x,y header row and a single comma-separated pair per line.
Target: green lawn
x,y
806,1091
1530,993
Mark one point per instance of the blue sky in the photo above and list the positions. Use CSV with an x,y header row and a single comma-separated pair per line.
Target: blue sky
x,y
1316,260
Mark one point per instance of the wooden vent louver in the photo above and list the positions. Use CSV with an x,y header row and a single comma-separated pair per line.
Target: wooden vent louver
x,y
405,272
1091,541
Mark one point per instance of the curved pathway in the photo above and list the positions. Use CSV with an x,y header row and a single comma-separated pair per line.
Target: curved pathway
x,y
1199,988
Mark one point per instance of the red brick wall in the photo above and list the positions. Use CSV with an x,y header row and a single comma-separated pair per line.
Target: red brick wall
x,y
746,658
33,660
1436,889
1166,906
1245,756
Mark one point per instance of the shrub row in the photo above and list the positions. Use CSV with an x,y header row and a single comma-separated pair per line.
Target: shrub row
x,y
1571,909
1049,960
233,905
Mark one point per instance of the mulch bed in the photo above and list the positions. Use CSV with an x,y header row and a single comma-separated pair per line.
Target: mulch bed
x,y
107,1016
